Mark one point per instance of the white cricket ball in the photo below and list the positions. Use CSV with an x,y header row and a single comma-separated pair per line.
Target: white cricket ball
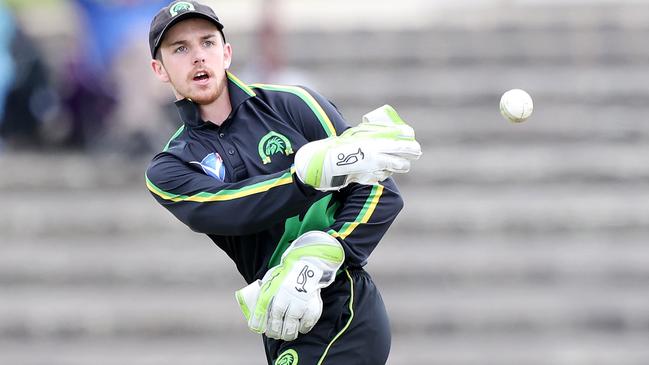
x,y
516,105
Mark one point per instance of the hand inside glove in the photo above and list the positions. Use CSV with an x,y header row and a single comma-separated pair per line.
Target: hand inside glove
x,y
368,153
287,300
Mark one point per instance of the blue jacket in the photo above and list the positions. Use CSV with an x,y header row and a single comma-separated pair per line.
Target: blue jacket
x,y
236,182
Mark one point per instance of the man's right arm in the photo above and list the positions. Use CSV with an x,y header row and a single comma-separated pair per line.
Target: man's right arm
x,y
207,205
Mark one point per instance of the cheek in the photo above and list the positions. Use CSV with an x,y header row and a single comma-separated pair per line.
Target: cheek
x,y
175,73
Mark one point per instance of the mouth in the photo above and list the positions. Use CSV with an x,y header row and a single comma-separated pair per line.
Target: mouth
x,y
201,77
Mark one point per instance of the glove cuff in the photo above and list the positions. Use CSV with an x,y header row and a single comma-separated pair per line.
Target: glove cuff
x,y
319,249
309,160
247,298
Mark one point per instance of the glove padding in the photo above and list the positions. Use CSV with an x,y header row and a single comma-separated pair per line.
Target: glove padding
x,y
287,300
380,145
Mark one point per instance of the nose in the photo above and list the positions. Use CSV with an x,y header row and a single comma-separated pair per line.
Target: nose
x,y
199,56
199,59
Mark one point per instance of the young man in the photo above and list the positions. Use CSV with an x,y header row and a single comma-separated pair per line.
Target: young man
x,y
278,180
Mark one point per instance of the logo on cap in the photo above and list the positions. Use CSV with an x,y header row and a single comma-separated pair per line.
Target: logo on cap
x,y
181,7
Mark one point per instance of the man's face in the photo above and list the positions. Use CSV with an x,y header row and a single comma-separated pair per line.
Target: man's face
x,y
194,60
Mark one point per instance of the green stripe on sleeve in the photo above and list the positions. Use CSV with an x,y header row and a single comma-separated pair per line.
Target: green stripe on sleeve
x,y
363,216
223,195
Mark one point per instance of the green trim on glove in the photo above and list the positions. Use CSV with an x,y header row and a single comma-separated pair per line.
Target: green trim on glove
x,y
243,305
392,113
314,167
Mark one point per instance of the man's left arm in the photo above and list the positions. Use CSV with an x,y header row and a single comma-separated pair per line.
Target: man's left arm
x,y
366,211
278,307
364,214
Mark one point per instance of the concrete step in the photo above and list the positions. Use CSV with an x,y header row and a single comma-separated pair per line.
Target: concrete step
x,y
486,33
73,213
493,152
446,209
586,85
568,209
76,313
470,263
176,260
501,310
533,166
467,208
556,349
555,124
453,152
24,172
451,47
550,349
192,261
51,313
222,349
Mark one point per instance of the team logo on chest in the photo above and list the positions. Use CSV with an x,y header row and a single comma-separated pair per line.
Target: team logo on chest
x,y
212,165
273,143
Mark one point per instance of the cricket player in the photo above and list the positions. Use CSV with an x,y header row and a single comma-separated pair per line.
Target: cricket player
x,y
280,182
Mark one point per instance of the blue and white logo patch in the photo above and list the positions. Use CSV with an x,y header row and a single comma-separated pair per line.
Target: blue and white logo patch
x,y
212,165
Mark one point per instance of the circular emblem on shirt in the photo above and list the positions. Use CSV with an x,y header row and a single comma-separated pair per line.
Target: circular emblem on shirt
x,y
273,143
288,357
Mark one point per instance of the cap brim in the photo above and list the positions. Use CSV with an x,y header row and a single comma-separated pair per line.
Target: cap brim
x,y
184,16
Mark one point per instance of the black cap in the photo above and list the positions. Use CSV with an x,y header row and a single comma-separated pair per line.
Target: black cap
x,y
175,12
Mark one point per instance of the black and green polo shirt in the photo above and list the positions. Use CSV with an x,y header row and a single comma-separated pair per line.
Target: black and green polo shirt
x,y
236,182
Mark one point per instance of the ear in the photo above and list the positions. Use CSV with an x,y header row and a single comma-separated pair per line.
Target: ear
x,y
159,70
227,55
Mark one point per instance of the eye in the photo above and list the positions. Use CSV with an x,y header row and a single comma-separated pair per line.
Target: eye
x,y
181,49
208,43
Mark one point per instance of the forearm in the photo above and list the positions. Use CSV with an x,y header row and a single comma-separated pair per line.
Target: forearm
x,y
367,213
208,206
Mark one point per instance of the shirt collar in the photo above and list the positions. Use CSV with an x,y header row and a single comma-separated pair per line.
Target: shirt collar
x,y
189,112
239,92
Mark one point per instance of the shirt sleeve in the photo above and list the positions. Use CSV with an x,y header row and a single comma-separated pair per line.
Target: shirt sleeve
x,y
366,213
207,205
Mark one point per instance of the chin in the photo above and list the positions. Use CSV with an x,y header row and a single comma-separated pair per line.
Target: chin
x,y
203,97
203,100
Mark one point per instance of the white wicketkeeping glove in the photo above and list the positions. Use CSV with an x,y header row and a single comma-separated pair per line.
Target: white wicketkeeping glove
x,y
287,300
368,153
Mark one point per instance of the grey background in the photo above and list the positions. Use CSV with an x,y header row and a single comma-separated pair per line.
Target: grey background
x,y
519,244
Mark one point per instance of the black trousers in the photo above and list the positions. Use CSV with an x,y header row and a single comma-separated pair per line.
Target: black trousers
x,y
353,329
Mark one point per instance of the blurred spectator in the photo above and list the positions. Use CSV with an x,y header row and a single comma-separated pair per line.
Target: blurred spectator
x,y
6,61
92,92
24,86
270,66
270,42
84,87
